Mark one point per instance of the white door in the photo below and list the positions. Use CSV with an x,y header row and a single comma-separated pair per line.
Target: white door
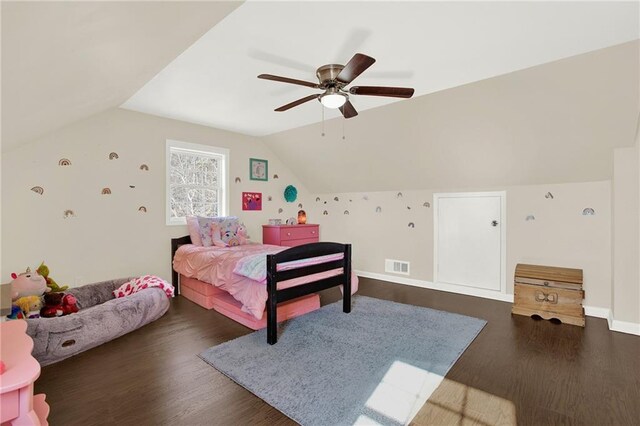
x,y
469,239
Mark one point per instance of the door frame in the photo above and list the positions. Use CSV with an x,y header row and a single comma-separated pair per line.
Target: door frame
x,y
503,240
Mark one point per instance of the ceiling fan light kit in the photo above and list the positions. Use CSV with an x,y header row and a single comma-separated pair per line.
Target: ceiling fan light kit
x,y
333,79
333,99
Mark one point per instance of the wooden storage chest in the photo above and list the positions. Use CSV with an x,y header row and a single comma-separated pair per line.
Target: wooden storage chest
x,y
549,292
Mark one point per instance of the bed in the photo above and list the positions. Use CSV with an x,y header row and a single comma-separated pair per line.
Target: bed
x,y
274,276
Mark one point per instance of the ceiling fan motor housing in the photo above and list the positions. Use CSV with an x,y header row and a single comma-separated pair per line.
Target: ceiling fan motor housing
x,y
327,74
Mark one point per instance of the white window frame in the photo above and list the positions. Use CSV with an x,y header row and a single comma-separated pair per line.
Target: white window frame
x,y
201,149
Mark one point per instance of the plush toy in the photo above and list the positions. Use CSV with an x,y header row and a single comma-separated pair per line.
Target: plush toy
x,y
16,313
28,284
231,238
52,305
69,304
30,306
44,271
241,233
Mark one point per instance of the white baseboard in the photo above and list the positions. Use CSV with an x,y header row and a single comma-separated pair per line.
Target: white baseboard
x,y
624,327
451,288
592,311
596,312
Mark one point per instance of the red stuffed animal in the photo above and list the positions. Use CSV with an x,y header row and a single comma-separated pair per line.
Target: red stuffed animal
x,y
52,305
69,304
58,304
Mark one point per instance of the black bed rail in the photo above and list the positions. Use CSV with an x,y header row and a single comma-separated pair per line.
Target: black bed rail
x,y
306,251
175,277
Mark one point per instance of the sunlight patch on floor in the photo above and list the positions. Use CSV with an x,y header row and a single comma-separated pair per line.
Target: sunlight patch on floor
x,y
454,403
401,394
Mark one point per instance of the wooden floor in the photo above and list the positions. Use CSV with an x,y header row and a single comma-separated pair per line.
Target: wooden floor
x,y
517,370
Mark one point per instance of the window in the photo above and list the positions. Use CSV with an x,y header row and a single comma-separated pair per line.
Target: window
x,y
196,181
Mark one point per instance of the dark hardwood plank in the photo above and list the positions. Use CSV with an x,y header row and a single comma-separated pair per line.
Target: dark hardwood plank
x,y
552,374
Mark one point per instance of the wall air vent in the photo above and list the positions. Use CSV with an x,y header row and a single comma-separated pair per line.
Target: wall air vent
x,y
396,266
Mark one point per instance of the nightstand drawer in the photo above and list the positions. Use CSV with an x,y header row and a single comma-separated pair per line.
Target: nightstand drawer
x,y
290,235
298,233
294,243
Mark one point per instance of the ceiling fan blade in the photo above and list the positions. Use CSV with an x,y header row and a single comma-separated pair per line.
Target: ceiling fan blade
x,y
287,80
296,103
390,92
354,68
348,110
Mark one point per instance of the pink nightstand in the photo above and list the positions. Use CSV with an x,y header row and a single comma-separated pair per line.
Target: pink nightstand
x,y
18,405
290,235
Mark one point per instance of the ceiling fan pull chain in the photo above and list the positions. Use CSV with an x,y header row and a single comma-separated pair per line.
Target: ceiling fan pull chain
x,y
343,138
322,119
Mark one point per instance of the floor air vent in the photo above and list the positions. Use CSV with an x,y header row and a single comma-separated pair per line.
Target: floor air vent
x,y
396,266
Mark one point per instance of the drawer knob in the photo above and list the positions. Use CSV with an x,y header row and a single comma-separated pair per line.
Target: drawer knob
x,y
313,232
288,234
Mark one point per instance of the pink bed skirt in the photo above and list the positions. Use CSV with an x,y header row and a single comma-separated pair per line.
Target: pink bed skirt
x,y
210,297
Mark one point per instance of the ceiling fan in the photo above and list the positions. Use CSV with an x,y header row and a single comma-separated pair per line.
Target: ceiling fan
x,y
333,79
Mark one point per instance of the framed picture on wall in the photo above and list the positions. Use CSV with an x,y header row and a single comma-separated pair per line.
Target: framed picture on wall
x,y
258,169
252,201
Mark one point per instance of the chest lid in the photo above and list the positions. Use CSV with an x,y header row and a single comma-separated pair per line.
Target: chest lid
x,y
549,273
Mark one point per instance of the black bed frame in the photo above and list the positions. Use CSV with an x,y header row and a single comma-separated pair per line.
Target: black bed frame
x,y
175,243
274,276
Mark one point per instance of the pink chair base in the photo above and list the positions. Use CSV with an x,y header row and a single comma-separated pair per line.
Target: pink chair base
x,y
210,297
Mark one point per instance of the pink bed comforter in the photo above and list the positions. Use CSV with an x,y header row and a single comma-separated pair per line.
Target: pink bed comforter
x,y
215,265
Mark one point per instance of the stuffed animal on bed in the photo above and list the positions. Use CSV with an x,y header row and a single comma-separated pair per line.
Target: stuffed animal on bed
x,y
30,306
52,305
69,304
28,284
44,271
59,304
16,313
241,233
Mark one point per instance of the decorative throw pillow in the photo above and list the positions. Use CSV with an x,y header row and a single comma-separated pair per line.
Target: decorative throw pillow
x,y
215,235
225,223
194,230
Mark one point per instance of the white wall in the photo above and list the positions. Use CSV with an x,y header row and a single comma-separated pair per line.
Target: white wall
x,y
626,232
560,235
109,237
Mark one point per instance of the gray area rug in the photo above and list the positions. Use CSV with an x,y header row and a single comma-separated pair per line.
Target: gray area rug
x,y
332,368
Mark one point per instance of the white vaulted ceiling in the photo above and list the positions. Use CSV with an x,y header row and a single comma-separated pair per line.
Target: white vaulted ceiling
x,y
430,46
64,61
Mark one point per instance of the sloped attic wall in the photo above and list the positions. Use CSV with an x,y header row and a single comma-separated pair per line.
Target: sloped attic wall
x,y
553,123
109,237
550,128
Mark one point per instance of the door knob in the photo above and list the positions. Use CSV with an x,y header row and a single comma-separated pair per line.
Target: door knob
x,y
494,223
